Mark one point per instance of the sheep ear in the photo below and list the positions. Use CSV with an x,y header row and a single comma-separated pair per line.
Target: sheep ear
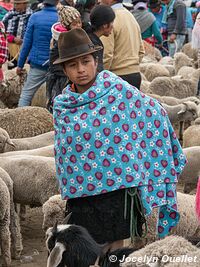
x,y
67,218
183,110
55,256
54,229
9,142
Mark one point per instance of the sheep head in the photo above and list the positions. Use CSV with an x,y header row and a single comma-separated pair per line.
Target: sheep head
x,y
188,111
72,245
4,139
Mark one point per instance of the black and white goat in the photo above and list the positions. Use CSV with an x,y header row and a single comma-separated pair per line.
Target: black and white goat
x,y
72,246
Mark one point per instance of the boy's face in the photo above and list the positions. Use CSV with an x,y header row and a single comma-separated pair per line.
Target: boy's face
x,y
20,7
82,70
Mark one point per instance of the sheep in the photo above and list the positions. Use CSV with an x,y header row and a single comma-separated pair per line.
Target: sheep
x,y
7,144
187,111
40,98
72,246
26,121
144,87
46,151
180,60
5,223
173,86
189,51
164,253
171,70
188,227
11,88
172,101
14,222
191,172
54,211
152,52
191,135
185,72
37,173
152,70
166,61
2,105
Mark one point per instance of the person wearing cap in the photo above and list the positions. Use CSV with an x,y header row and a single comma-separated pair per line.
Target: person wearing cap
x,y
158,9
101,18
147,21
36,48
69,18
15,22
175,17
123,49
113,149
85,7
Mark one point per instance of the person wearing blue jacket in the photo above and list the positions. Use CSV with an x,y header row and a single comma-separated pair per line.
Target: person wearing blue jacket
x,y
36,47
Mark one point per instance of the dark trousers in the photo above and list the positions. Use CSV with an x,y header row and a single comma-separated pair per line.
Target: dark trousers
x,y
133,78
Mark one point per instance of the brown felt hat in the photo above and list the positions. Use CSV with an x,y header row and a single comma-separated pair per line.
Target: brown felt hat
x,y
74,43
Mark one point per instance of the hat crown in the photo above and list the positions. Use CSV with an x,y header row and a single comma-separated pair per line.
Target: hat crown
x,y
74,43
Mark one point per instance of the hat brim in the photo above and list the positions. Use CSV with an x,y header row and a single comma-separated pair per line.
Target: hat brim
x,y
62,60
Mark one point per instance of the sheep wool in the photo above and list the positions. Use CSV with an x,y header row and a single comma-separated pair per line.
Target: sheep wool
x,y
152,165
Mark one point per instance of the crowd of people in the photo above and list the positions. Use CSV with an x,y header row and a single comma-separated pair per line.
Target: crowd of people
x,y
27,34
89,55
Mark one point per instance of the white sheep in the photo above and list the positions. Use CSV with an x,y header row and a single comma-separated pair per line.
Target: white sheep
x,y
152,52
16,240
153,70
46,151
173,86
171,70
42,140
180,60
186,111
10,90
5,243
37,174
166,60
190,52
54,211
191,136
26,121
164,253
144,87
191,172
172,101
185,72
40,99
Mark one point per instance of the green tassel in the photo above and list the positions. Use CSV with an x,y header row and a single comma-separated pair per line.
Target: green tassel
x,y
135,200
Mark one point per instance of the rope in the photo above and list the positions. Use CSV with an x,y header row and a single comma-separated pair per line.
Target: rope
x,y
10,61
135,199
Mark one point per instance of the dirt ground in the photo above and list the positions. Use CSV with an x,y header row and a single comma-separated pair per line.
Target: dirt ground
x,y
34,240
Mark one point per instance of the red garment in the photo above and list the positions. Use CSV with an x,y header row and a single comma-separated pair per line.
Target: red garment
x,y
3,45
7,6
1,75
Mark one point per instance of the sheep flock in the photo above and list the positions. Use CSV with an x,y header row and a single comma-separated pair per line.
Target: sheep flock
x,y
28,174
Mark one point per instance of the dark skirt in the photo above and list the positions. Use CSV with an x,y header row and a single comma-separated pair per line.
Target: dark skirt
x,y
103,215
